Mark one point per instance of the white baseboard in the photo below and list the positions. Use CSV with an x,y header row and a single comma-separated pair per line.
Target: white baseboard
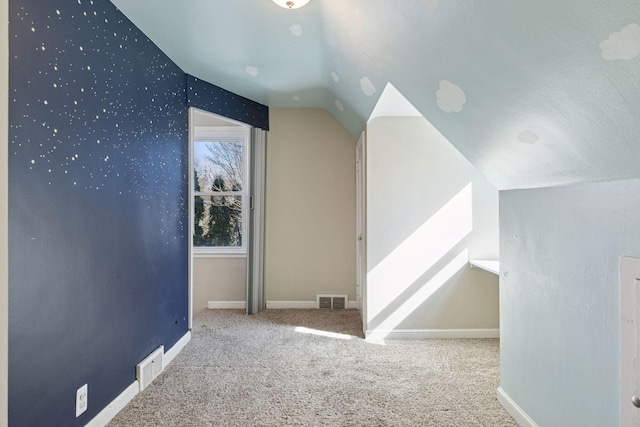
x,y
514,410
226,304
301,304
421,334
291,304
177,348
118,404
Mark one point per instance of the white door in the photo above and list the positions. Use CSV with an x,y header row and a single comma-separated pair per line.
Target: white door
x,y
361,264
630,341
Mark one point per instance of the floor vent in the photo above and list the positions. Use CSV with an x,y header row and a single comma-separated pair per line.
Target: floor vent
x,y
338,301
150,368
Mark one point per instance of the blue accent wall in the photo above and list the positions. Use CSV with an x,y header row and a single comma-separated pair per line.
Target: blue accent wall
x,y
208,97
98,205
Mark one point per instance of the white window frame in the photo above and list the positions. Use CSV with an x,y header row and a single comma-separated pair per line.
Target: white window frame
x,y
221,134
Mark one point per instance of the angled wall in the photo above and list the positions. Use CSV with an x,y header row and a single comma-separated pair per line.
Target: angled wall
x,y
97,207
559,299
428,212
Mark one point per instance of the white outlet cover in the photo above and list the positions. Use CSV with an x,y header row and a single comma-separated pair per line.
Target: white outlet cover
x,y
82,401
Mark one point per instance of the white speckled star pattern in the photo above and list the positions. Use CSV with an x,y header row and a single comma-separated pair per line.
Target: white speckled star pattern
x,y
101,112
98,203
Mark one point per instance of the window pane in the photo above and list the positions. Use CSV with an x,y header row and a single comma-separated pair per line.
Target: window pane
x,y
218,166
217,221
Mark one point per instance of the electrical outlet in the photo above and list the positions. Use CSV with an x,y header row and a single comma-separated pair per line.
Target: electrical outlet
x,y
82,400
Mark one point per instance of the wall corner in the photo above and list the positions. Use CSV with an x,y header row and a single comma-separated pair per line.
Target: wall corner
x,y
4,241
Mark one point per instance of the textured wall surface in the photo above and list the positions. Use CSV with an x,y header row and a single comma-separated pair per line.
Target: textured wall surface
x,y
97,206
559,299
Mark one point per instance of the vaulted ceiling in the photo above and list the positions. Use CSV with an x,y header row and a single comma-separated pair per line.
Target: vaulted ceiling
x,y
533,93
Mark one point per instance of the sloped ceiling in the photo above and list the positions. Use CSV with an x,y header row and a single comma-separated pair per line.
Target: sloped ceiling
x,y
533,93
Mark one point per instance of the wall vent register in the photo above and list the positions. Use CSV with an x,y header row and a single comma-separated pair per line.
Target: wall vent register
x,y
150,368
336,301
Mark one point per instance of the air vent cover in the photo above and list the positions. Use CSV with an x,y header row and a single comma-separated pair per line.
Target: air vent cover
x,y
337,301
324,302
150,368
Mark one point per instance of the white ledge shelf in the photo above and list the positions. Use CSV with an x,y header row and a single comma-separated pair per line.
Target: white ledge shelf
x,y
490,265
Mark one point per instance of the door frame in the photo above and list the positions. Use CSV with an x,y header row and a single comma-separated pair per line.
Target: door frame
x,y
255,230
361,228
629,342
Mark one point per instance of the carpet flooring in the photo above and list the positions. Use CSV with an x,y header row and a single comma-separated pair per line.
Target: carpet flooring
x,y
313,368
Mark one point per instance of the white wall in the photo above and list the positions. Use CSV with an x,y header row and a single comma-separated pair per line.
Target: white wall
x,y
428,211
310,209
560,298
4,240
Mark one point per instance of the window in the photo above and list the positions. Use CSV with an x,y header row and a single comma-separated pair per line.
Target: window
x,y
220,193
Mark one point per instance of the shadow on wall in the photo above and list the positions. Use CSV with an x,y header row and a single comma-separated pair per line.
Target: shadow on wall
x,y
419,266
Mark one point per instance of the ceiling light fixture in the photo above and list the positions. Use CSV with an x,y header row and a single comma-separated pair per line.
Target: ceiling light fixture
x,y
291,4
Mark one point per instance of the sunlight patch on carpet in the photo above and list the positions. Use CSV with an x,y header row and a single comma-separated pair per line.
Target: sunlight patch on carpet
x,y
310,331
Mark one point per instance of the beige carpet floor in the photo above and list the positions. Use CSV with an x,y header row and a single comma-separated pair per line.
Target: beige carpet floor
x,y
277,369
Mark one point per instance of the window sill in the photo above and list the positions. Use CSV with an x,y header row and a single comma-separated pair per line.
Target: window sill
x,y
219,253
490,265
